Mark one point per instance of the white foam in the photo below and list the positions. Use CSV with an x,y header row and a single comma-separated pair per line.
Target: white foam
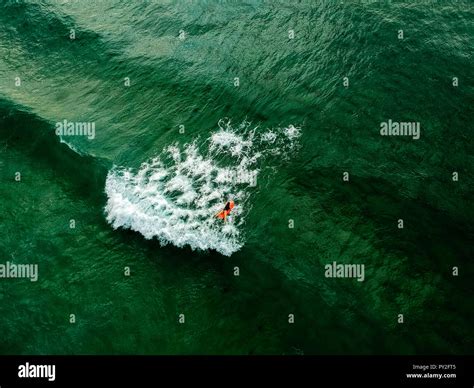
x,y
292,132
175,196
70,146
269,137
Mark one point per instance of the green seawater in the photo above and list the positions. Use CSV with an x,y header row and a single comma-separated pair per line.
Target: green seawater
x,y
70,60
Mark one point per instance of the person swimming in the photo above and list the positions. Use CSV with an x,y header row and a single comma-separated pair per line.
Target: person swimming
x,y
227,209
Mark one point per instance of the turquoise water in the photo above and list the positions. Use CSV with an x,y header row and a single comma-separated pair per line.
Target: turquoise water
x,y
176,135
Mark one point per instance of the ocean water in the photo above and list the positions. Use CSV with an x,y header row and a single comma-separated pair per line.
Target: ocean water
x,y
193,103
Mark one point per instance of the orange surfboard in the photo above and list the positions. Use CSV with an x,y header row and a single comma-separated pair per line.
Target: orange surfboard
x,y
224,213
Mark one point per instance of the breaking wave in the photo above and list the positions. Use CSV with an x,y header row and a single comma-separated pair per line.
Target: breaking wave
x,y
175,196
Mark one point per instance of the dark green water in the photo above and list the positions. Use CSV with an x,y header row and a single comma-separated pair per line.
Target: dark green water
x,y
189,80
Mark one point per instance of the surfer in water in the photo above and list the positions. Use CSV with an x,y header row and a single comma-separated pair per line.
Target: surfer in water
x,y
227,209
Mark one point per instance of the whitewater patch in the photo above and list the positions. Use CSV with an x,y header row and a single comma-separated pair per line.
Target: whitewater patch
x,y
175,196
